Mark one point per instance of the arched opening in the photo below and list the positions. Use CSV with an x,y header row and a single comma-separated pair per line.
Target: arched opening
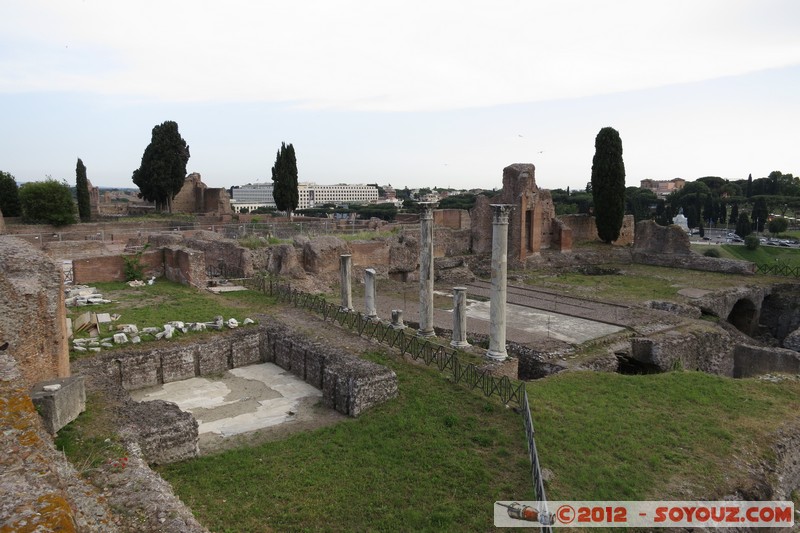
x,y
744,316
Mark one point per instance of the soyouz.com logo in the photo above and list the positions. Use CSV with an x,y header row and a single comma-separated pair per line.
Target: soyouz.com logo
x,y
644,514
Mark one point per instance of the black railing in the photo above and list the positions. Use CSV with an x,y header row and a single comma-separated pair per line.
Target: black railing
x,y
445,358
778,269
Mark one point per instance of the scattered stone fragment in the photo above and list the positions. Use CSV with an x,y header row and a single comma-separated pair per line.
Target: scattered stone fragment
x,y
248,321
151,330
197,326
94,349
79,348
106,345
52,388
120,338
130,329
136,283
233,323
136,339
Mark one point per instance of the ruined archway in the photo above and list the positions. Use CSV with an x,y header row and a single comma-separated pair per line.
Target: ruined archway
x,y
744,316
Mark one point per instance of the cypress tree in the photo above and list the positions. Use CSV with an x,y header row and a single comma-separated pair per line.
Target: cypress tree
x,y
608,184
284,179
82,186
163,169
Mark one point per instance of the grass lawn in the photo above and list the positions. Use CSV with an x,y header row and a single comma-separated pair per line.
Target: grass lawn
x,y
763,254
434,459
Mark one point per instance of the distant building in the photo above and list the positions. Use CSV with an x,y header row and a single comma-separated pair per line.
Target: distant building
x,y
310,195
663,187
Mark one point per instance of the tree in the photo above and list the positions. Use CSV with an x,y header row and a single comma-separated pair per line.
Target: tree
x,y
778,225
734,214
163,169
47,202
284,179
9,195
749,190
82,186
760,213
743,228
608,184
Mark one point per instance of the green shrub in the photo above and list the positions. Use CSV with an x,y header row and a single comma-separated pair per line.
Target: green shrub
x,y
711,252
751,242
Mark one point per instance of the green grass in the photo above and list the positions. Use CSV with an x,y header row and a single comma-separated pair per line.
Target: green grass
x,y
90,440
434,459
165,301
616,437
763,254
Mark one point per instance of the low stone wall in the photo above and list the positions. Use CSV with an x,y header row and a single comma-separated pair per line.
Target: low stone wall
x,y
349,384
584,229
695,262
751,361
185,266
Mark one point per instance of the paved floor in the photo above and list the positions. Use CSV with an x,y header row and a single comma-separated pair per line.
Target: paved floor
x,y
242,400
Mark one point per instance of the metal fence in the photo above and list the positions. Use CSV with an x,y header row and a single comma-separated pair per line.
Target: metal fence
x,y
778,269
445,358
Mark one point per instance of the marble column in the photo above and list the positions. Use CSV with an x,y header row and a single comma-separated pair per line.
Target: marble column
x,y
369,294
426,270
497,302
397,319
345,270
459,318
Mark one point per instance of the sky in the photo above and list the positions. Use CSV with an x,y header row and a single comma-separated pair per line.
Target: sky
x,y
410,93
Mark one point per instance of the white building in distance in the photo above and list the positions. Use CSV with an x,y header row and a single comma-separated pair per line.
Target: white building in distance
x,y
310,195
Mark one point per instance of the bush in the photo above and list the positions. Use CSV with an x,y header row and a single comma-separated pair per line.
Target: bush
x,y
47,202
751,242
711,252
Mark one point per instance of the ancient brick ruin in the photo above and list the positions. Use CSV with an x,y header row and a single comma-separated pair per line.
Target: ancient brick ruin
x,y
196,197
533,225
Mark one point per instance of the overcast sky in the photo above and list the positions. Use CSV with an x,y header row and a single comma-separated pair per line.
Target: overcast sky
x,y
412,93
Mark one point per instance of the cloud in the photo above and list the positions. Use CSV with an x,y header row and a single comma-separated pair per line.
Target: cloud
x,y
389,55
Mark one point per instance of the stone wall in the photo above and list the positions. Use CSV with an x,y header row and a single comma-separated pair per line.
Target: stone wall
x,y
32,311
185,266
112,267
584,229
40,489
220,253
751,361
706,349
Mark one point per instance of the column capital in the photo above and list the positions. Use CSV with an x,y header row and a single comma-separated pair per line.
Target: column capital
x,y
500,213
427,210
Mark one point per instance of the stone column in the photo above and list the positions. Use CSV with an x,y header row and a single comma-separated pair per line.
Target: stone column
x,y
369,294
345,269
497,303
459,318
397,319
426,270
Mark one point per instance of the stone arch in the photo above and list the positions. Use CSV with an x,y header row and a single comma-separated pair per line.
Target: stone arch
x,y
744,316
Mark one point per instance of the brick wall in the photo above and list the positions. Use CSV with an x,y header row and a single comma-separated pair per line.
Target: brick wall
x,y
584,229
452,218
185,266
112,267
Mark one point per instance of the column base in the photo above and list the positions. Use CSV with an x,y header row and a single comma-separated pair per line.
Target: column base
x,y
426,333
460,344
497,356
398,326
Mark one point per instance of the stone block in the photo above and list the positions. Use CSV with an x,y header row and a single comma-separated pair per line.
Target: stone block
x,y
179,363
164,432
139,370
59,405
214,357
245,349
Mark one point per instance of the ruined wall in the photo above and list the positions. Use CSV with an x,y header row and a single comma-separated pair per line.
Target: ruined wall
x,y
185,266
322,254
190,198
370,253
452,218
220,253
584,229
751,361
112,267
705,349
669,246
40,489
32,311
349,384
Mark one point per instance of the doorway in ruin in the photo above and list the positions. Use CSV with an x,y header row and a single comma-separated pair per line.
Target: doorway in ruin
x,y
744,316
529,229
